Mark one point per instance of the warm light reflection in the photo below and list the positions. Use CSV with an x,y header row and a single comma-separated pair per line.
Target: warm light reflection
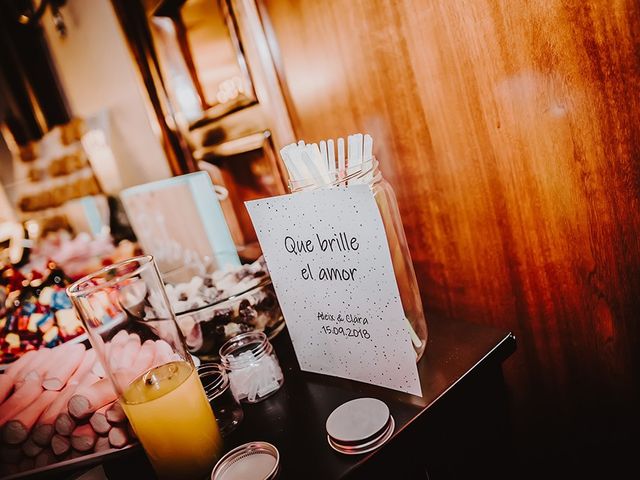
x,y
102,160
229,89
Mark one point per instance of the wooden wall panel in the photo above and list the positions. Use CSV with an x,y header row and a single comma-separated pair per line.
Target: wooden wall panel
x,y
511,133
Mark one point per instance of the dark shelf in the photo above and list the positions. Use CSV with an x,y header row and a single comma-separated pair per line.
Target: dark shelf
x,y
456,430
220,111
237,146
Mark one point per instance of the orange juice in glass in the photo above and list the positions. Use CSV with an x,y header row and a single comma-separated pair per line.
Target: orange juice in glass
x,y
142,350
171,416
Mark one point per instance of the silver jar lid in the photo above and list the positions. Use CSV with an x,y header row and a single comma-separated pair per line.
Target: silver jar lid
x,y
357,420
251,461
359,426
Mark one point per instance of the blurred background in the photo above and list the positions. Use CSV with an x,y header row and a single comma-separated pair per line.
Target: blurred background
x,y
510,132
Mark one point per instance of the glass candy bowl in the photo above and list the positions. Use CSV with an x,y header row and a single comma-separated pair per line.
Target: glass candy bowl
x,y
206,328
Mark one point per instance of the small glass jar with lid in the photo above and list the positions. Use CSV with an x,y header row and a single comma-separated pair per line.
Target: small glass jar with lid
x,y
368,173
254,369
226,408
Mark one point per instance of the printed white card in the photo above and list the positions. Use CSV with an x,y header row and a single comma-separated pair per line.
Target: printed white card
x,y
329,261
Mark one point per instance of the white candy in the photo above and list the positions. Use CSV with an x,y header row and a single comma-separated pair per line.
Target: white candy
x,y
253,378
195,283
194,294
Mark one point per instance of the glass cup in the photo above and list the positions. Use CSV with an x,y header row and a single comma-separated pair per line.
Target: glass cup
x,y
226,408
131,326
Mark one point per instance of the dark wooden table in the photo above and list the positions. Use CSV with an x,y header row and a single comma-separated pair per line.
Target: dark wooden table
x,y
458,429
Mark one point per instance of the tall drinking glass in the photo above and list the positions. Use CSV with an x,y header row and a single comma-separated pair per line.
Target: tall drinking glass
x,y
130,323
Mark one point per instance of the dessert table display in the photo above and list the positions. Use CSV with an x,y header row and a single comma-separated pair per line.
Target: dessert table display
x,y
313,361
457,429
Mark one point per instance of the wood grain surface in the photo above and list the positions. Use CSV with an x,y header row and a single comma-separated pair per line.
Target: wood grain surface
x,y
510,131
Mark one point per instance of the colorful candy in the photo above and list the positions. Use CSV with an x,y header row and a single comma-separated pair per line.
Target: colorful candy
x,y
35,312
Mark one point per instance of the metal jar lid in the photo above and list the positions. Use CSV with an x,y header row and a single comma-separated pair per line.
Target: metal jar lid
x,y
251,461
358,420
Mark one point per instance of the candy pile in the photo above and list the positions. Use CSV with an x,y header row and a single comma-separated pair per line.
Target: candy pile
x,y
80,255
56,404
211,288
216,307
35,312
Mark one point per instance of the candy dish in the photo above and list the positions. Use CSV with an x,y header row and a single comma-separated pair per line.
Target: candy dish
x,y
213,307
207,328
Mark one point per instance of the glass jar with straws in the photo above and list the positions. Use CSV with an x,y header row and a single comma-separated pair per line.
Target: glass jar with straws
x,y
314,166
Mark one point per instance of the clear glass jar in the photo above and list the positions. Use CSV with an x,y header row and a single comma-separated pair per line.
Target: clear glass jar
x,y
226,408
208,327
385,198
254,369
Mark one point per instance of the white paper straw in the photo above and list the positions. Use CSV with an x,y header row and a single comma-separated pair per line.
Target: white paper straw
x,y
320,165
317,162
332,155
368,148
323,154
286,154
312,168
354,160
341,162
